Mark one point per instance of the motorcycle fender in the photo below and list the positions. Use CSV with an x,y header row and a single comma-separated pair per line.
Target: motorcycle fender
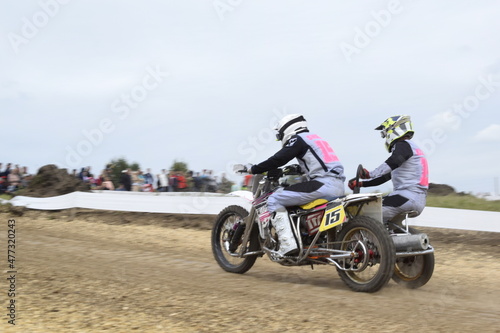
x,y
332,218
373,209
247,195
372,205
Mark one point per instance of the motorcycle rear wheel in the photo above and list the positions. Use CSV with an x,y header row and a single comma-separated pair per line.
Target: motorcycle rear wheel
x,y
413,272
222,233
376,265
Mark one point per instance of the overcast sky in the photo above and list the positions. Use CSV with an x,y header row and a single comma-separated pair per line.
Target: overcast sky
x,y
153,81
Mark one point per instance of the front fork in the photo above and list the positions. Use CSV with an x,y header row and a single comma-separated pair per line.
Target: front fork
x,y
247,226
249,220
236,237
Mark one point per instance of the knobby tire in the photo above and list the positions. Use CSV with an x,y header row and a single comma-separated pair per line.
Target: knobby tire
x,y
413,272
224,220
383,248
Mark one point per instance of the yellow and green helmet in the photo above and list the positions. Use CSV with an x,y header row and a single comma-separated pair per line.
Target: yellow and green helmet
x,y
394,128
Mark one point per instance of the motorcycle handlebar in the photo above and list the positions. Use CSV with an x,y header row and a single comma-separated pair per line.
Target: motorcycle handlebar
x,y
357,189
274,173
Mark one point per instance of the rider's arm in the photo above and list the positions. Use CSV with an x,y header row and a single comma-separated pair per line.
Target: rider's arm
x,y
401,153
293,148
377,181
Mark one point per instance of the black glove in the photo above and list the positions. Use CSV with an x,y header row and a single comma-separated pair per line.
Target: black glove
x,y
274,173
293,169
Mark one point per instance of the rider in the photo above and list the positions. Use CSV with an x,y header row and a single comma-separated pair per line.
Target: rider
x,y
407,166
316,159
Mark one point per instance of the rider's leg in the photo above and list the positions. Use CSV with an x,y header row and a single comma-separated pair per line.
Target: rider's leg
x,y
281,223
402,201
277,203
294,195
303,193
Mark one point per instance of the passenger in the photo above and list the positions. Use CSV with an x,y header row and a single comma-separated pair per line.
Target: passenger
x,y
407,167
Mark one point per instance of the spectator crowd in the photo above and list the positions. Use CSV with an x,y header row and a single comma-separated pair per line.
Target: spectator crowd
x,y
165,181
13,178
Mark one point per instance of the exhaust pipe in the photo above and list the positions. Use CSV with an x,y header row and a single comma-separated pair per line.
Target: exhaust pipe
x,y
406,242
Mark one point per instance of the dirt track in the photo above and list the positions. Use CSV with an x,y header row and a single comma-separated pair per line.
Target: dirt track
x,y
121,272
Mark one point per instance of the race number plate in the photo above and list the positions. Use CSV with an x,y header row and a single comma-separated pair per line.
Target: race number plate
x,y
333,217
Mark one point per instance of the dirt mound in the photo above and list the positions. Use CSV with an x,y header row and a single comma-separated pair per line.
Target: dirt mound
x,y
441,189
51,181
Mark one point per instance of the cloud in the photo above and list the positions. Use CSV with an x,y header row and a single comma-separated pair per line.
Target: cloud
x,y
445,121
489,134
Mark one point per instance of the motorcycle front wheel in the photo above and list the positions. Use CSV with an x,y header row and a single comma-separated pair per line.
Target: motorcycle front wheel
x,y
373,264
414,272
225,248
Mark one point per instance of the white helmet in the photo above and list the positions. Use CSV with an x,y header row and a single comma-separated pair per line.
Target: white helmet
x,y
290,125
394,128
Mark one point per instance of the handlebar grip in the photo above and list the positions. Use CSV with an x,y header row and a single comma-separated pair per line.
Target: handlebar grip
x,y
357,189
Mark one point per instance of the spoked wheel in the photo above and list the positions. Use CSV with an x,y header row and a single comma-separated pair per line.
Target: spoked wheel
x,y
372,266
414,272
227,235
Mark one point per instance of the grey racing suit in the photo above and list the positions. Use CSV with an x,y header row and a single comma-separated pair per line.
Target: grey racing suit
x,y
408,169
317,160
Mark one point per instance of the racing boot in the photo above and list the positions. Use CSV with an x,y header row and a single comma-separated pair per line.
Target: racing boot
x,y
287,242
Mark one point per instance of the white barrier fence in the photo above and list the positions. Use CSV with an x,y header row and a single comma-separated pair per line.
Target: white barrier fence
x,y
458,219
152,202
210,203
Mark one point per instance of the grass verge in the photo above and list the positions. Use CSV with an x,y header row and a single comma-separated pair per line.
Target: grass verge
x,y
462,202
5,196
